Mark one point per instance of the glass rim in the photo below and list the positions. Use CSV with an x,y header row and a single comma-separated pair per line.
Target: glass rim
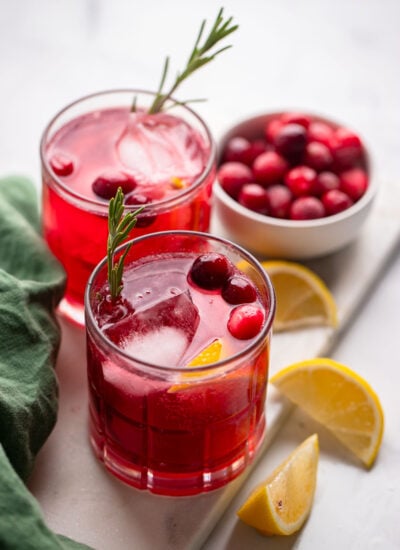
x,y
266,330
159,205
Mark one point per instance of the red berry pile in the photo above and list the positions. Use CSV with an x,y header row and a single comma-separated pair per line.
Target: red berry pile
x,y
214,272
301,169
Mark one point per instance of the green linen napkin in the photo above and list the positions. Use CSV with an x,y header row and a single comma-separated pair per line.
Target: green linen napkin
x,y
31,285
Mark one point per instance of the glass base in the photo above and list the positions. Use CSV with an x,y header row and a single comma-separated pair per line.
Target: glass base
x,y
73,311
176,484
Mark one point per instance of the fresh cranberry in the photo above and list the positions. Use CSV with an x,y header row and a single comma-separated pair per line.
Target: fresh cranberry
x,y
290,141
211,270
238,290
347,148
245,321
279,201
61,165
106,185
232,176
325,182
147,216
320,132
296,118
269,167
301,180
318,156
272,128
254,197
354,183
307,208
238,149
336,201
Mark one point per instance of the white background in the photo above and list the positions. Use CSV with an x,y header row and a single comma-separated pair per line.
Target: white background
x,y
338,58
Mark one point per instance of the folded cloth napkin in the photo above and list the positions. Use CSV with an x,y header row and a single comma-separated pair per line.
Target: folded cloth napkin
x,y
31,285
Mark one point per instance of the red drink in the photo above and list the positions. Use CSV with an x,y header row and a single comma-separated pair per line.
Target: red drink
x,y
160,419
165,161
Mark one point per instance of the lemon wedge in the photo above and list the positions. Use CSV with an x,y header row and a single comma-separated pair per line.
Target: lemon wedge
x,y
339,399
302,298
282,503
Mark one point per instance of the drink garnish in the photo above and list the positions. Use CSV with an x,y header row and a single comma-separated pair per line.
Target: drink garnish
x,y
119,227
200,55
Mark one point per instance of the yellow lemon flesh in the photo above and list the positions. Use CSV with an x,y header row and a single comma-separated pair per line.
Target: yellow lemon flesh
x,y
339,399
302,298
282,503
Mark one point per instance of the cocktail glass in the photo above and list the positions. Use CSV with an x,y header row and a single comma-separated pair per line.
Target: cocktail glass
x,y
155,422
171,165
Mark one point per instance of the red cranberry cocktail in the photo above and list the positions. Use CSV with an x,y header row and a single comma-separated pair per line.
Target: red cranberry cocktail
x,y
165,161
178,362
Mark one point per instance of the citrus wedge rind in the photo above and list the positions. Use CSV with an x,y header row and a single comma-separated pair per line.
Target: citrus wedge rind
x,y
338,398
302,298
281,504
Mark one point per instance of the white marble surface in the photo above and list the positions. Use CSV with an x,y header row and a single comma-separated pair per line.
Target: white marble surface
x,y
336,58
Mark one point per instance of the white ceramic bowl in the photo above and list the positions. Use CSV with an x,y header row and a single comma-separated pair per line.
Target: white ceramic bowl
x,y
281,238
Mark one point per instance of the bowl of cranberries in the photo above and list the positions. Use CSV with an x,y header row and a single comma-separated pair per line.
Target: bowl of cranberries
x,y
292,185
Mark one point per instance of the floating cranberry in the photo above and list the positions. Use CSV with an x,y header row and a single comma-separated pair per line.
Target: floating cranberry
x,y
354,183
211,270
279,200
254,197
290,141
296,118
301,180
307,208
336,201
318,156
232,176
347,148
320,132
106,185
238,149
61,165
325,182
269,168
245,321
272,128
238,290
147,216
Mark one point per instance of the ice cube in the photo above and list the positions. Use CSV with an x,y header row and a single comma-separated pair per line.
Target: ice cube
x,y
163,346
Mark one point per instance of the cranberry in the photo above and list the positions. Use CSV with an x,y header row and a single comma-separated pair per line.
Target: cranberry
x,y
258,146
238,290
279,200
347,148
238,149
211,270
290,141
146,217
307,208
245,321
254,197
269,167
61,165
354,183
232,176
336,201
318,156
106,185
272,128
301,180
296,118
325,182
320,132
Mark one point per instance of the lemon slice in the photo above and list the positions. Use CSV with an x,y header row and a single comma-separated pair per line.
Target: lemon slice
x,y
302,298
339,399
210,354
282,503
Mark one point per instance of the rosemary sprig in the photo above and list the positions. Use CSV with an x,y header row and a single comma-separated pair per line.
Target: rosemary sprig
x,y
119,227
201,55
